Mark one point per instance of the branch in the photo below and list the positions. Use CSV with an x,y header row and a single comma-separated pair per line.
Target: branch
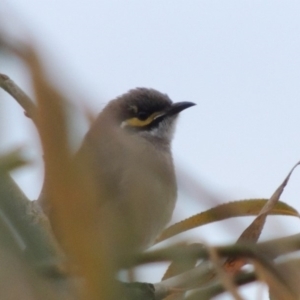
x,y
19,95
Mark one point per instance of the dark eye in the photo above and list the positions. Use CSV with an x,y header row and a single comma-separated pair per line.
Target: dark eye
x,y
142,115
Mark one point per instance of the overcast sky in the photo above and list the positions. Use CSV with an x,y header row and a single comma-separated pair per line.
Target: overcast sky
x,y
238,60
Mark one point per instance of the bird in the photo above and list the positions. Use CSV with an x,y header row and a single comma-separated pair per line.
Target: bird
x,y
127,160
128,153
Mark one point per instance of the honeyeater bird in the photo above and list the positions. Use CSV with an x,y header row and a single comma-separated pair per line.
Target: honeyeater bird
x,y
128,155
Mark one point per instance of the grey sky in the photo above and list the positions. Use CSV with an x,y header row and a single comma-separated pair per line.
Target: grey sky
x,y
238,60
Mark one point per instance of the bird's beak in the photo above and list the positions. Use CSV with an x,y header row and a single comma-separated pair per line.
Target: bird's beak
x,y
178,107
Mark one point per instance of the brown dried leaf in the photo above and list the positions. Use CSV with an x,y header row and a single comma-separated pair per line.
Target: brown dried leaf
x,y
73,207
278,285
253,231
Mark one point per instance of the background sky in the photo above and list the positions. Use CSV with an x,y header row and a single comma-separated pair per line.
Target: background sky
x,y
238,60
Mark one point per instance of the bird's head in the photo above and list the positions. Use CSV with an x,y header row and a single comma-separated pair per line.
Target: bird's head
x,y
146,112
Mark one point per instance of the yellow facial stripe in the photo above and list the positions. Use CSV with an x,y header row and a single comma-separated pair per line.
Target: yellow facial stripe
x,y
135,122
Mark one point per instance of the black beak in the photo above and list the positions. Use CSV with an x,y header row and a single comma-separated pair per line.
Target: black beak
x,y
178,107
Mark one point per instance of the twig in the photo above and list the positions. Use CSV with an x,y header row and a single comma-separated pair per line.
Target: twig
x,y
217,288
272,249
19,95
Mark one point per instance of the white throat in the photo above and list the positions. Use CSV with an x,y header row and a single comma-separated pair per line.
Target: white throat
x,y
165,129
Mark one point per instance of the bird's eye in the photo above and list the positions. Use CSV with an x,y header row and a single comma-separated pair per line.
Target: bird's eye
x,y
142,115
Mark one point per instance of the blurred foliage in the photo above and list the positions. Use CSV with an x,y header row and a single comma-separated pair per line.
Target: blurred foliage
x,y
68,253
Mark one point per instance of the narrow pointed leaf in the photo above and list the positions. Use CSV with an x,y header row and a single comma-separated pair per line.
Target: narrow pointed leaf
x,y
253,231
240,208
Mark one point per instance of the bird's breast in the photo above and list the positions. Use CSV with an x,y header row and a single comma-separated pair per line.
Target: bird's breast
x,y
150,191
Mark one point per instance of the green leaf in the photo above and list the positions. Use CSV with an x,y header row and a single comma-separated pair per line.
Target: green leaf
x,y
12,160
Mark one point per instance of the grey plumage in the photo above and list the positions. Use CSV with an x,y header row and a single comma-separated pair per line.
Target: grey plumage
x,y
127,153
133,169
